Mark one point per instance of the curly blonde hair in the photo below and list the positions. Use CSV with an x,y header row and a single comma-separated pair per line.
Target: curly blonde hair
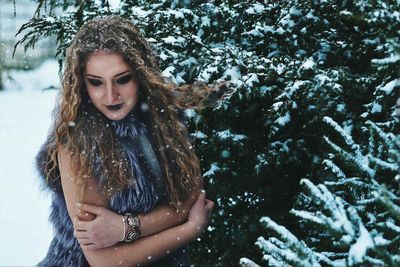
x,y
86,133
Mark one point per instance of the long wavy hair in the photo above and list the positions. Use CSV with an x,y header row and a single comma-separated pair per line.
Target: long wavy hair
x,y
87,135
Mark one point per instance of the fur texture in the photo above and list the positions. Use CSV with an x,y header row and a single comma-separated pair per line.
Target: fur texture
x,y
144,193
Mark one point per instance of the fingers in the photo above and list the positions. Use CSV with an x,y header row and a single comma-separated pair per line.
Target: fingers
x,y
81,234
209,204
82,238
90,208
81,225
201,196
202,199
86,241
89,246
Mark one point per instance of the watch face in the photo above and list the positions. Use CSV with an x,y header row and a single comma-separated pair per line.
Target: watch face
x,y
133,235
133,221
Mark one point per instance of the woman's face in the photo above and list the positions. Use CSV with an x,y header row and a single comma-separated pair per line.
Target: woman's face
x,y
110,84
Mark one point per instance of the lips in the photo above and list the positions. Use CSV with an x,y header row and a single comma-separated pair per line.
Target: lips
x,y
114,107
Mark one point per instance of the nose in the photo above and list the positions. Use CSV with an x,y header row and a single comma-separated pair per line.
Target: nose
x,y
112,94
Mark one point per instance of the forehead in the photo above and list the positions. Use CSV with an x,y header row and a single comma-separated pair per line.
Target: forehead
x,y
103,63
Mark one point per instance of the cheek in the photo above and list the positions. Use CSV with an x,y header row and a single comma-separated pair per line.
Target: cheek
x,y
94,94
131,91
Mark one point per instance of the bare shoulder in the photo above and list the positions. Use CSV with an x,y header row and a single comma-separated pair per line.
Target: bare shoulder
x,y
65,166
70,186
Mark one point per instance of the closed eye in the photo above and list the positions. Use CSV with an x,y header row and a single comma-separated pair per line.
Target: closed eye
x,y
124,79
95,82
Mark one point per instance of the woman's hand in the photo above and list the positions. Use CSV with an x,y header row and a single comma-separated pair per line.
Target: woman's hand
x,y
200,214
104,231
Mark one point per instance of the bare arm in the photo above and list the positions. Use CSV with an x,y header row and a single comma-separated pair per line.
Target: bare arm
x,y
142,251
106,229
162,217
165,216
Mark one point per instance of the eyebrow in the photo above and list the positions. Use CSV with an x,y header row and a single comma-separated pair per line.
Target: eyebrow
x,y
119,74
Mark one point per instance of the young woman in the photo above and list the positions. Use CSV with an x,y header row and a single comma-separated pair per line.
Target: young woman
x,y
125,180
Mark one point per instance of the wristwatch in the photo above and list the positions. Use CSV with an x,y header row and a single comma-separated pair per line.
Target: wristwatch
x,y
133,222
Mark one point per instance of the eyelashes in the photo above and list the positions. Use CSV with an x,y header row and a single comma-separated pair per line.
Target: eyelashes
x,y
95,82
122,80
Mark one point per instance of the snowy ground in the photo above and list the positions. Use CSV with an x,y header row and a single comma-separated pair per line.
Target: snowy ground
x,y
25,113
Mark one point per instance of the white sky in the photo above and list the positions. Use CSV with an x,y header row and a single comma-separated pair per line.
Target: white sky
x,y
25,116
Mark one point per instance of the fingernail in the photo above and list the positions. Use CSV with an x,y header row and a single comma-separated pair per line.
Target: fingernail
x,y
78,204
203,191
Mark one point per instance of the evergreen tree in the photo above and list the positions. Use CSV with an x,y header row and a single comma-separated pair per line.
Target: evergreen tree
x,y
288,68
351,220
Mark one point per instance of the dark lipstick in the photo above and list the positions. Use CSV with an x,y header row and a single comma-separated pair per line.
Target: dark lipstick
x,y
114,107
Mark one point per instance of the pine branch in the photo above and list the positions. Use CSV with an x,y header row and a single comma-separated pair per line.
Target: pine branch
x,y
245,262
359,249
384,164
384,197
287,248
334,168
346,137
387,139
359,160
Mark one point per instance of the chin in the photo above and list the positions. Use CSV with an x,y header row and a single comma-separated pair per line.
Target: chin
x,y
116,116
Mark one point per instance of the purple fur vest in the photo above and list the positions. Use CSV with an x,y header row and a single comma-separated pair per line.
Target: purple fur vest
x,y
144,193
